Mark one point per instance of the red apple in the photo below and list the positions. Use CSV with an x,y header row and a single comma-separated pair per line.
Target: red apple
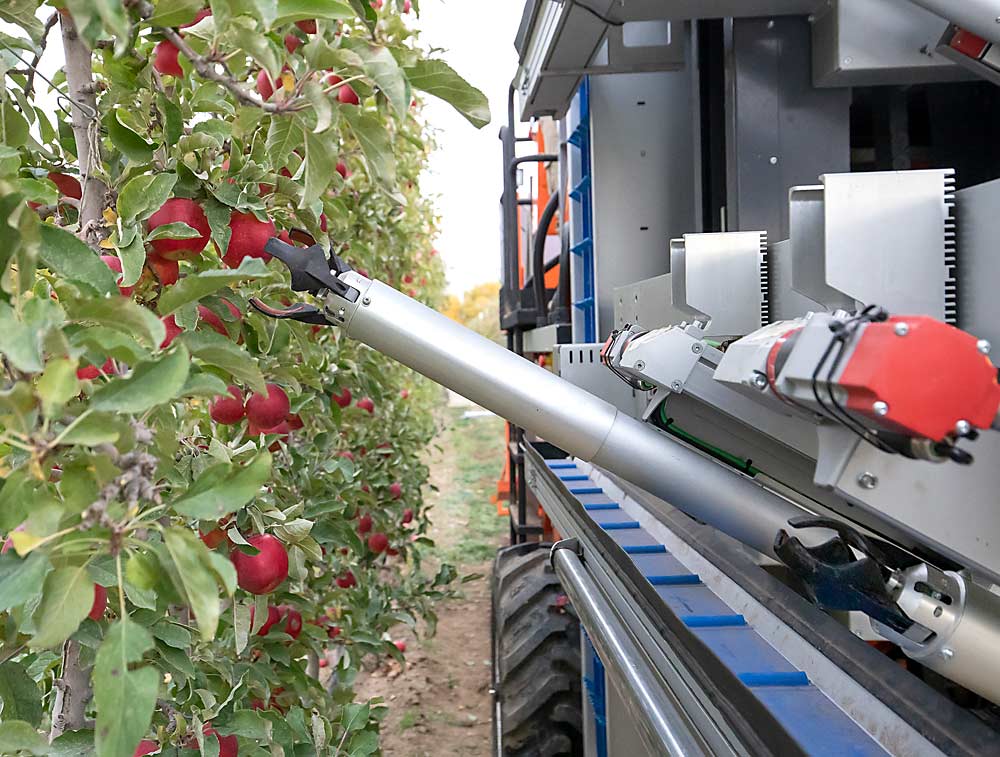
x,y
343,399
273,617
342,169
365,403
228,745
165,59
213,538
249,235
378,542
268,410
173,331
145,747
100,603
347,455
293,622
364,524
407,516
292,43
90,372
347,580
68,186
323,662
212,320
180,210
400,645
228,410
307,25
407,5
166,271
265,85
404,393
333,632
395,489
347,95
264,572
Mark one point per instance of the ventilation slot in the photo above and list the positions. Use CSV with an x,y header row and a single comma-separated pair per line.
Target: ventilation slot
x,y
765,282
951,313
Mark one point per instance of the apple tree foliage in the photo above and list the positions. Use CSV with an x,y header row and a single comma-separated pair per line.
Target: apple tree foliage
x,y
117,480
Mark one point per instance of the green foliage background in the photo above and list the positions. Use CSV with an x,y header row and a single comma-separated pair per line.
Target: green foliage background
x,y
109,480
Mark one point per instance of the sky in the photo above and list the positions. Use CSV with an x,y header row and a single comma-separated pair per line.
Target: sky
x,y
466,172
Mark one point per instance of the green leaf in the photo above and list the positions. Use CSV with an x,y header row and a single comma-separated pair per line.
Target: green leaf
x,y
193,578
67,596
371,134
192,288
321,163
133,258
204,385
175,12
19,342
22,579
150,385
22,13
220,351
381,67
34,190
121,314
109,342
73,744
283,136
67,256
300,10
435,77
173,119
17,737
94,429
175,230
132,146
10,160
125,697
172,634
144,195
224,488
14,129
57,385
21,698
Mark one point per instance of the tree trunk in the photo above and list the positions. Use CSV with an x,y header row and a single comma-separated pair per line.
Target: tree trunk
x,y
86,124
73,691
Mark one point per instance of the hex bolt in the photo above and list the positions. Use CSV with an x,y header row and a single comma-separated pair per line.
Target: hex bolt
x,y
676,386
983,346
962,428
697,348
902,329
760,381
867,480
947,653
880,407
366,300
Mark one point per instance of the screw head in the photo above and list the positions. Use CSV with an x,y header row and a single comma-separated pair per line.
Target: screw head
x,y
366,300
774,160
983,346
697,348
947,653
640,365
902,329
880,408
867,480
938,612
675,386
760,381
962,428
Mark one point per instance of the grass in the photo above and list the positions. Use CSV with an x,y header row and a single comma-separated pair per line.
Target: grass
x,y
477,447
409,719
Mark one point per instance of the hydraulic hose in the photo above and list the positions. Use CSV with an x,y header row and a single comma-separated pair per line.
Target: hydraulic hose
x,y
538,258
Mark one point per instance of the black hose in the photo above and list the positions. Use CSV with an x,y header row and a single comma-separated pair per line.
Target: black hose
x,y
538,258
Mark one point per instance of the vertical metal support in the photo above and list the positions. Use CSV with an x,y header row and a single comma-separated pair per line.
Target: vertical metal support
x,y
518,434
781,131
511,459
586,301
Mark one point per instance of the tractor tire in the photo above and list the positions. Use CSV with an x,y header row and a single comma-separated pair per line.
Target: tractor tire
x,y
536,656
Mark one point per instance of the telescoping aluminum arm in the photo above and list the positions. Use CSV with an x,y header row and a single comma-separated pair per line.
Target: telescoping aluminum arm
x,y
595,431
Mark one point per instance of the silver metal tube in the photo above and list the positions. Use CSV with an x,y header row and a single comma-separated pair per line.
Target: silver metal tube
x,y
565,415
663,727
980,17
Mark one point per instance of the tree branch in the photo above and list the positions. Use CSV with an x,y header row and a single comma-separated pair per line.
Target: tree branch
x,y
80,80
29,87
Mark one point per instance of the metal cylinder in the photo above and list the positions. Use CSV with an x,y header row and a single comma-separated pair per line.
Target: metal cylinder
x,y
567,416
965,619
663,728
980,17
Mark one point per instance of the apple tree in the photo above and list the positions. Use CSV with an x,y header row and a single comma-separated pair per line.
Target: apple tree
x,y
210,517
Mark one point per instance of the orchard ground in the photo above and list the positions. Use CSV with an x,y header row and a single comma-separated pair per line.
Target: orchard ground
x,y
439,703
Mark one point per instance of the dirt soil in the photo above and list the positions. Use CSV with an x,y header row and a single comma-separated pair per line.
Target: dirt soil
x,y
439,703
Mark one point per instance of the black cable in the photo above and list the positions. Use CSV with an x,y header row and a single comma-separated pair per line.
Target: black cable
x,y
596,14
